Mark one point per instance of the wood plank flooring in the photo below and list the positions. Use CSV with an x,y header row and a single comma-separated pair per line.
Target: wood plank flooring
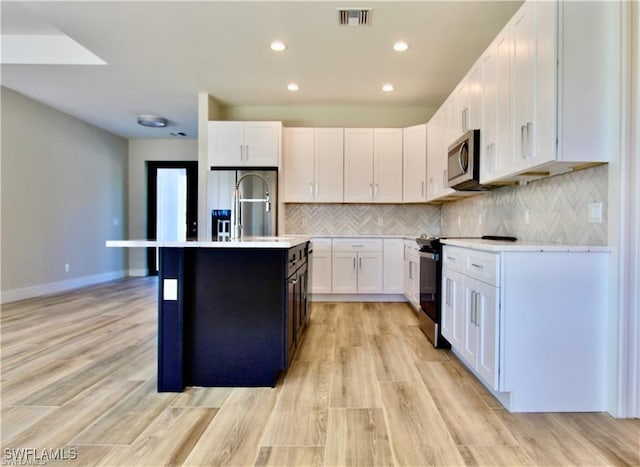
x,y
366,388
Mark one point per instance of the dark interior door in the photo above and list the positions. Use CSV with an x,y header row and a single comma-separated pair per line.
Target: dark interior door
x,y
191,218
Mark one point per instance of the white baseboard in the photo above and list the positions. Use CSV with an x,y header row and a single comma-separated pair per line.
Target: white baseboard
x,y
358,298
138,272
8,296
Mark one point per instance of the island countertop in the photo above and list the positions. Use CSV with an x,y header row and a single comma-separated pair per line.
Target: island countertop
x,y
285,242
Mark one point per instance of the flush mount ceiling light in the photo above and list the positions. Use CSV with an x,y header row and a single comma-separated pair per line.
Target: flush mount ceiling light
x,y
278,46
293,87
152,121
400,46
388,88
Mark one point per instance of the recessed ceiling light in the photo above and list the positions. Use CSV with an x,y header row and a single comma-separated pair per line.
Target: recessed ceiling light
x,y
293,87
152,121
400,46
387,87
278,46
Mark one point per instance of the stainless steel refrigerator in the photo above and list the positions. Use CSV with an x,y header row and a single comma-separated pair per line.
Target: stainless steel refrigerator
x,y
254,217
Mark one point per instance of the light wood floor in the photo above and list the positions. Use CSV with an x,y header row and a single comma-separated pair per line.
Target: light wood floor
x,y
366,388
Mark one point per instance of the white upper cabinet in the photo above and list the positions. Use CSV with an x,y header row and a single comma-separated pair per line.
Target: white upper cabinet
x,y
414,160
313,165
244,144
439,136
557,90
387,171
372,165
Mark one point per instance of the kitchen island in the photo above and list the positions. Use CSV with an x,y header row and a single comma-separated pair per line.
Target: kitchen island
x,y
230,313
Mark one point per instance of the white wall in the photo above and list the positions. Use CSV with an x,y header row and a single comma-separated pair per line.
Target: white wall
x,y
63,192
140,151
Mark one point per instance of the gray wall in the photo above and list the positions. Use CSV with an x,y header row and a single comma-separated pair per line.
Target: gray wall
x,y
140,151
63,192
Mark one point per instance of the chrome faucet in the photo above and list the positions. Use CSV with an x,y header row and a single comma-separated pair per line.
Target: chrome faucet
x,y
236,215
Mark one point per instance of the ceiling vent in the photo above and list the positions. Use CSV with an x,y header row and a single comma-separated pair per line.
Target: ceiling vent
x,y
354,16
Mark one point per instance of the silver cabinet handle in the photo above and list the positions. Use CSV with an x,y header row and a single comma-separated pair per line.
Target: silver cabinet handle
x,y
422,188
246,152
522,149
448,293
354,262
477,306
478,266
375,191
410,269
360,263
317,190
311,190
473,307
371,190
529,144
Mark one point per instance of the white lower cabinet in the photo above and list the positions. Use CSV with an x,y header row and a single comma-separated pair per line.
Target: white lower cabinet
x,y
530,322
393,265
321,266
412,273
357,266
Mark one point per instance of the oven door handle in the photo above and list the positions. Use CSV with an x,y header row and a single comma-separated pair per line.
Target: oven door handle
x,y
429,255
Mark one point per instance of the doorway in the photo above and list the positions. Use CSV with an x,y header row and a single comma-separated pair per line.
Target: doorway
x,y
172,204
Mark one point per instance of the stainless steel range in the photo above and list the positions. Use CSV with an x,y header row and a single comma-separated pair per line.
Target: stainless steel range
x,y
431,285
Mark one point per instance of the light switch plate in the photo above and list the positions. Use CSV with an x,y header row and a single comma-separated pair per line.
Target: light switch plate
x,y
595,213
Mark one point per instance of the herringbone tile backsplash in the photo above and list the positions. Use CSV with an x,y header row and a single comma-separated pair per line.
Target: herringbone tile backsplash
x,y
558,212
362,219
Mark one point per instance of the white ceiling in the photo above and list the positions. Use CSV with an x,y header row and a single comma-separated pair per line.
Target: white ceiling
x,y
161,54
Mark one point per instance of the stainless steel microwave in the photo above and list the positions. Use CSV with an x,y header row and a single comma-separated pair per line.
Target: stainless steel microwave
x,y
463,163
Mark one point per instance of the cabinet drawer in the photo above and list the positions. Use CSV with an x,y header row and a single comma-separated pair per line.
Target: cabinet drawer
x,y
482,266
321,244
357,244
453,258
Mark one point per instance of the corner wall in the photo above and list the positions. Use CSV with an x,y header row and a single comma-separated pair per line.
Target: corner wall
x,y
63,195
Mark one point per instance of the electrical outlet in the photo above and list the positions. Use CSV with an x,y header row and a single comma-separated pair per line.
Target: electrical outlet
x,y
67,268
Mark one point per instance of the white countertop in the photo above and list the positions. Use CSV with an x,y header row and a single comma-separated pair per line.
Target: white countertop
x,y
245,242
498,246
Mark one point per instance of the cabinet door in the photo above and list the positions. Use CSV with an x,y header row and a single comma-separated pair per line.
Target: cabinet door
x,y
226,144
434,148
369,272
524,73
489,115
503,150
344,269
358,165
329,164
387,169
321,272
487,324
469,347
474,114
460,107
262,143
453,307
298,164
414,161
393,265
